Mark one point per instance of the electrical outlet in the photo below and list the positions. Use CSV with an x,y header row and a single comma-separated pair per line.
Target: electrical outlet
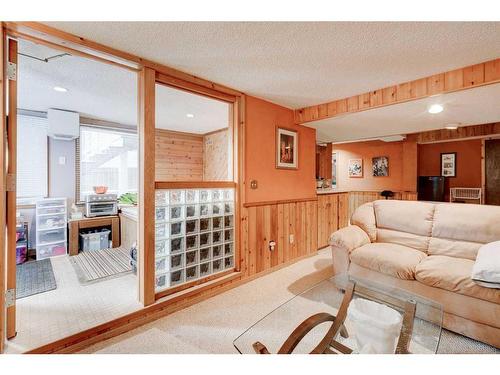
x,y
292,238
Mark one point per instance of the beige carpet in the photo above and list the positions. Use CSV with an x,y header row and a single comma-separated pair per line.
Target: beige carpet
x,y
212,325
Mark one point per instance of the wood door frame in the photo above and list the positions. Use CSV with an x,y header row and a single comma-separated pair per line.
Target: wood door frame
x,y
236,131
40,33
11,189
2,188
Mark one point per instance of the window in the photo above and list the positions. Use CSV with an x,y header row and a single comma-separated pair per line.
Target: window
x,y
108,157
32,159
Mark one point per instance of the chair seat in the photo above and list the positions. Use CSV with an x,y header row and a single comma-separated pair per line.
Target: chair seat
x,y
454,275
388,258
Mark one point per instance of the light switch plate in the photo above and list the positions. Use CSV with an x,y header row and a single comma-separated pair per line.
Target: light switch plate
x,y
62,160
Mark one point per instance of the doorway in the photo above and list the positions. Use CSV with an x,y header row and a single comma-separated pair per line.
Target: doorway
x,y
73,149
492,171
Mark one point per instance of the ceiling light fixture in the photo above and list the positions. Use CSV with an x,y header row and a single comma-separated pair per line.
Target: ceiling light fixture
x,y
189,115
451,127
60,89
435,108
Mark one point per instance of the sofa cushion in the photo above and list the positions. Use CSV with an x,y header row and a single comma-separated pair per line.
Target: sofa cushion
x,y
388,258
452,248
403,238
364,217
467,222
405,216
453,274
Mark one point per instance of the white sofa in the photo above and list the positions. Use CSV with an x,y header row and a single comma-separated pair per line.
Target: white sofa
x,y
428,249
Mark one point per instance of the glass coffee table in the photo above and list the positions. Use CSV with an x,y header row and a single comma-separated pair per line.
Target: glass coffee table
x,y
319,320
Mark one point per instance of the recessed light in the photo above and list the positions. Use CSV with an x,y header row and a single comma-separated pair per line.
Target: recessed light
x,y
189,115
435,108
60,89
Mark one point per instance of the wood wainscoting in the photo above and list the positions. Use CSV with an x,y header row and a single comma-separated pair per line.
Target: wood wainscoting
x,y
293,226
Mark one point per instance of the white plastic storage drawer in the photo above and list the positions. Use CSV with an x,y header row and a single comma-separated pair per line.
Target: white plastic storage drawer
x,y
46,237
47,251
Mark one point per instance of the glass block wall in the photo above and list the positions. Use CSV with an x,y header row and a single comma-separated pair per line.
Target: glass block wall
x,y
194,234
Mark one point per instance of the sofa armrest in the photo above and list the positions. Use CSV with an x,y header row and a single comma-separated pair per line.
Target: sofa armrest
x,y
342,243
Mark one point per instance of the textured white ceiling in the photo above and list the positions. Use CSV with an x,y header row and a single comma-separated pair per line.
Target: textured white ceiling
x,y
173,105
298,64
95,90
470,107
105,92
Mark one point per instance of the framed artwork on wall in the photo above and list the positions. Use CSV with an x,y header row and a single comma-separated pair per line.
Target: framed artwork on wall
x,y
449,164
380,166
287,148
355,168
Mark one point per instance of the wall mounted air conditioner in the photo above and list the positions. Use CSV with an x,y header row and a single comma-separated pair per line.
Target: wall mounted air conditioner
x,y
63,125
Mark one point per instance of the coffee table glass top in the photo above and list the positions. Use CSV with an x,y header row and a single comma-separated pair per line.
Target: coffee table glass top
x,y
421,330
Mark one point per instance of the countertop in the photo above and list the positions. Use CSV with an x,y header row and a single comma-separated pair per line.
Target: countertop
x,y
330,191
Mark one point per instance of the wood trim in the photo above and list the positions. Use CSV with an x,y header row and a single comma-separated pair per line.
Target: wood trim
x,y
193,88
477,75
146,240
180,288
194,184
463,132
11,195
73,51
94,49
284,201
3,173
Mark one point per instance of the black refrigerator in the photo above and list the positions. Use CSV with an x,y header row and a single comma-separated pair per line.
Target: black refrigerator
x,y
431,188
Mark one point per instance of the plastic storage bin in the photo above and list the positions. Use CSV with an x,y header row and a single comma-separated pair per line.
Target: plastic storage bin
x,y
51,231
94,241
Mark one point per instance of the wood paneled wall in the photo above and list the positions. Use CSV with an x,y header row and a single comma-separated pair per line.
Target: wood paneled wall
x,y
215,156
178,156
463,132
277,222
459,79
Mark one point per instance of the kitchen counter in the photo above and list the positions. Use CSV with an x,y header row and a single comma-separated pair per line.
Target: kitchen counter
x,y
330,191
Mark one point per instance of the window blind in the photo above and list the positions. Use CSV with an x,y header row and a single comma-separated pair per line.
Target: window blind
x,y
108,157
32,158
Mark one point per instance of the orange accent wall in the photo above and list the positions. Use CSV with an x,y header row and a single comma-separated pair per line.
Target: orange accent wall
x,y
260,155
468,162
402,165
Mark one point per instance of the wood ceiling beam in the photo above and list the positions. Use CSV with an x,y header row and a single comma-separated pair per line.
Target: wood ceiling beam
x,y
461,133
40,31
477,75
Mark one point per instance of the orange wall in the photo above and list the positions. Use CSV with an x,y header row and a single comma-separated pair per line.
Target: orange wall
x,y
468,162
260,155
402,165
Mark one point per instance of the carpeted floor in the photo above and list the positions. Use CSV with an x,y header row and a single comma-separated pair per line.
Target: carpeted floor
x,y
98,265
34,277
211,325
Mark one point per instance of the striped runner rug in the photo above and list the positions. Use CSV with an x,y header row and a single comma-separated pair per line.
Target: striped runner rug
x,y
99,265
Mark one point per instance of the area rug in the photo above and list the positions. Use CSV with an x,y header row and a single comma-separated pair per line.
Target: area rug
x,y
98,265
34,277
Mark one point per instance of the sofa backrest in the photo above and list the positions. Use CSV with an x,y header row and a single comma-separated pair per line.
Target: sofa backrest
x,y
460,229
451,229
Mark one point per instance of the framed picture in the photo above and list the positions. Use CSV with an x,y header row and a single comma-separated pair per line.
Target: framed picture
x,y
449,164
380,166
287,148
355,168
